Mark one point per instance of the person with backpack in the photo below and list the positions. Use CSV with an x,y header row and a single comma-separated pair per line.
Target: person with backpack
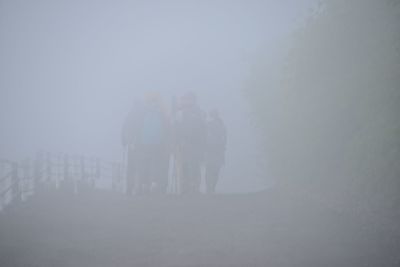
x,y
215,150
153,146
190,137
150,130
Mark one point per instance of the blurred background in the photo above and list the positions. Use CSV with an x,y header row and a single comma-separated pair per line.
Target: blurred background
x,y
70,70
310,94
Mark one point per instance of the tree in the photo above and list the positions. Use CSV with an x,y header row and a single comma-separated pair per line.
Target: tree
x,y
332,121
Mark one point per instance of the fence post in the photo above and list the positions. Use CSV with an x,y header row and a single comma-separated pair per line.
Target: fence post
x,y
75,173
113,177
98,168
16,192
66,168
83,169
37,172
48,167
116,175
25,179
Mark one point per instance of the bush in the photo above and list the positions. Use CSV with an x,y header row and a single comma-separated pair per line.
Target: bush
x,y
331,119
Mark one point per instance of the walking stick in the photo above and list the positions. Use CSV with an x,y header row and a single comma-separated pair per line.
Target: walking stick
x,y
124,168
174,185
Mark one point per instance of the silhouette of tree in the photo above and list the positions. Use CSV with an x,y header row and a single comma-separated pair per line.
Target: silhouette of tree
x,y
331,121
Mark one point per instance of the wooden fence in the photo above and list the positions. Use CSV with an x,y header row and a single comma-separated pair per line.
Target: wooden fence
x,y
71,173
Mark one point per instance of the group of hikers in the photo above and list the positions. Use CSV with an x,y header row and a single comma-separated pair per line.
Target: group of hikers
x,y
168,149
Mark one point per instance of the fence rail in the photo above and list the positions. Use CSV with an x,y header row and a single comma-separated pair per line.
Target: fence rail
x,y
20,180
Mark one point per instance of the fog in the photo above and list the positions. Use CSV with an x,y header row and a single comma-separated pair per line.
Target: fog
x,y
70,70
306,169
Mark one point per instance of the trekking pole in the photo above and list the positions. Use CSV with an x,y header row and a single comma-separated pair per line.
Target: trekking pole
x,y
170,187
174,174
124,167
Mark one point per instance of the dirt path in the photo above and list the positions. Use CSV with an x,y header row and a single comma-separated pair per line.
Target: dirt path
x,y
103,229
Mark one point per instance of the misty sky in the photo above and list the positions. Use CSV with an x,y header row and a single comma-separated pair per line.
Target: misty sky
x,y
70,70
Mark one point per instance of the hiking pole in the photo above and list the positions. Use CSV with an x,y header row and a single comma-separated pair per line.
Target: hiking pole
x,y
174,182
174,174
171,179
124,167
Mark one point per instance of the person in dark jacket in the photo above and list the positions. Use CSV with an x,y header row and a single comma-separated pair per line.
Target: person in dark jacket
x,y
215,150
190,140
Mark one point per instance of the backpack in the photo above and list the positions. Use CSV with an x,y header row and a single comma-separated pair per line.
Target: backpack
x,y
152,130
193,127
216,135
191,134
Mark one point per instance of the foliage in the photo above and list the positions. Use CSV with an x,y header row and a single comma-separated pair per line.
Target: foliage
x,y
331,121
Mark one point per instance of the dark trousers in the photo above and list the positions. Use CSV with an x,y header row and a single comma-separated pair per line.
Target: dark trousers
x,y
191,176
212,175
131,171
153,166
